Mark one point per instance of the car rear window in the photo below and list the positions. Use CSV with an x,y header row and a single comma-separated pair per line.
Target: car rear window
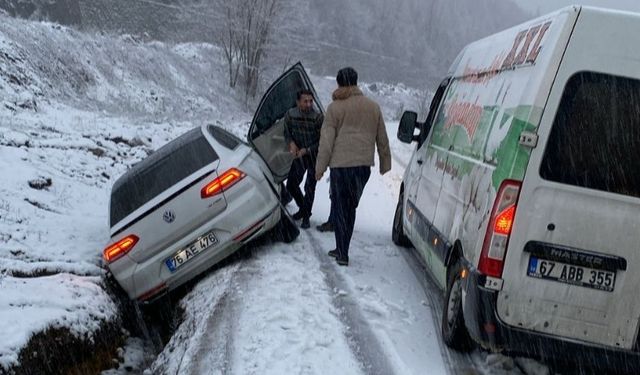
x,y
159,171
225,138
595,139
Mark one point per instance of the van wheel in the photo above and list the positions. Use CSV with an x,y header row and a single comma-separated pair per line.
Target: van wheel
x,y
454,331
397,233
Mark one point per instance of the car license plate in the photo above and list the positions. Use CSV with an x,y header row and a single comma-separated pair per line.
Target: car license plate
x,y
196,247
571,274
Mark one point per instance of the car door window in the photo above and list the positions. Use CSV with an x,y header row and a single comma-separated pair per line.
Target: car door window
x,y
427,126
266,133
278,102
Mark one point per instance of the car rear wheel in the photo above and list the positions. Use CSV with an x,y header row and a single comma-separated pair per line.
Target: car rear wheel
x,y
454,331
397,234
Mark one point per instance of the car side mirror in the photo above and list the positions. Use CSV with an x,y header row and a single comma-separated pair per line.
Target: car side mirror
x,y
408,123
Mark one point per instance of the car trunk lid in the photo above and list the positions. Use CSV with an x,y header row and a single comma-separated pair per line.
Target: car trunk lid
x,y
161,196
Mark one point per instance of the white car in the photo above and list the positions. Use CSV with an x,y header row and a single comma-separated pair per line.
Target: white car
x,y
201,197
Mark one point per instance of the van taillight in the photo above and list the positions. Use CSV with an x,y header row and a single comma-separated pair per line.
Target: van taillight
x,y
496,239
225,181
504,221
120,248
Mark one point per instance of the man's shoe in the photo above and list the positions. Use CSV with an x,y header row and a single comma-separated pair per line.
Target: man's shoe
x,y
333,253
298,215
325,227
342,261
305,223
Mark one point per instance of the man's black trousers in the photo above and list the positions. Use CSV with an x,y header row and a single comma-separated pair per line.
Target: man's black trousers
x,y
347,185
300,166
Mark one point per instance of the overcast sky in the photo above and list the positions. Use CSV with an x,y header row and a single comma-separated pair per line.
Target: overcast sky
x,y
545,6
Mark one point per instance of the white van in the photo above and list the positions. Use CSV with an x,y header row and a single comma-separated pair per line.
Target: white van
x,y
523,194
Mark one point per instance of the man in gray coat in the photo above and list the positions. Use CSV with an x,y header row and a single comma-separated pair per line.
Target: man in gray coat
x,y
352,128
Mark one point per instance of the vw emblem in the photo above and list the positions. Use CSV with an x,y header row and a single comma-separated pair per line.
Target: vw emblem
x,y
169,216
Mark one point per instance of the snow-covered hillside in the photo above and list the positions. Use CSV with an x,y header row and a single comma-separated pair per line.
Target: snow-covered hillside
x,y
75,111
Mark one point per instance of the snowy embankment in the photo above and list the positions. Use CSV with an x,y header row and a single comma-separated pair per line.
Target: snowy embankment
x,y
75,111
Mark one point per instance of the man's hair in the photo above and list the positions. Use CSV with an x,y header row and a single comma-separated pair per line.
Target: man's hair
x,y
347,77
303,92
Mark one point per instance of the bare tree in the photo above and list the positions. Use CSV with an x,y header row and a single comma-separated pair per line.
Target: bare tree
x,y
258,20
229,38
244,28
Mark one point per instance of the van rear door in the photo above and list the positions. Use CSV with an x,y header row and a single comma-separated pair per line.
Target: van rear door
x,y
573,260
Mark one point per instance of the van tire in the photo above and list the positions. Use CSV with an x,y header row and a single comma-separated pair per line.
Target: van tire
x,y
397,232
454,332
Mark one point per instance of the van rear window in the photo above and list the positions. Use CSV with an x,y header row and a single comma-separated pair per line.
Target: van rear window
x,y
595,139
159,171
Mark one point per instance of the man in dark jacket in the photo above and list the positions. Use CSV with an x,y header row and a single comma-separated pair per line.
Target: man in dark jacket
x,y
302,133
352,130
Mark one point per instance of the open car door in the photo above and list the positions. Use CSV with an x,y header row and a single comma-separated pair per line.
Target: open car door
x,y
266,134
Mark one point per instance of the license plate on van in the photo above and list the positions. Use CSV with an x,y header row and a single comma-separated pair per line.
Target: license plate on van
x,y
189,252
571,274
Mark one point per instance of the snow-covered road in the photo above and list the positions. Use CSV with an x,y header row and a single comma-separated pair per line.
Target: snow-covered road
x,y
291,309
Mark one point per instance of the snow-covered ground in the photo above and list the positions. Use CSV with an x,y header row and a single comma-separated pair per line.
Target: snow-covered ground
x,y
76,110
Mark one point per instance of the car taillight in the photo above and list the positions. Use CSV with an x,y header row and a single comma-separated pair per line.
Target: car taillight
x,y
496,239
120,248
225,181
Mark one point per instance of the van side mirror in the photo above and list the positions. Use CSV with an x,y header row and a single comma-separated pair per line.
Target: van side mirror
x,y
408,123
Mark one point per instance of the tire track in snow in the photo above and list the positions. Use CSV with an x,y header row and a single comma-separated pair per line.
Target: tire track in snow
x,y
455,362
360,337
211,356
204,342
214,350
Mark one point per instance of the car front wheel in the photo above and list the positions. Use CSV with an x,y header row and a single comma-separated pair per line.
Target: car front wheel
x,y
286,230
